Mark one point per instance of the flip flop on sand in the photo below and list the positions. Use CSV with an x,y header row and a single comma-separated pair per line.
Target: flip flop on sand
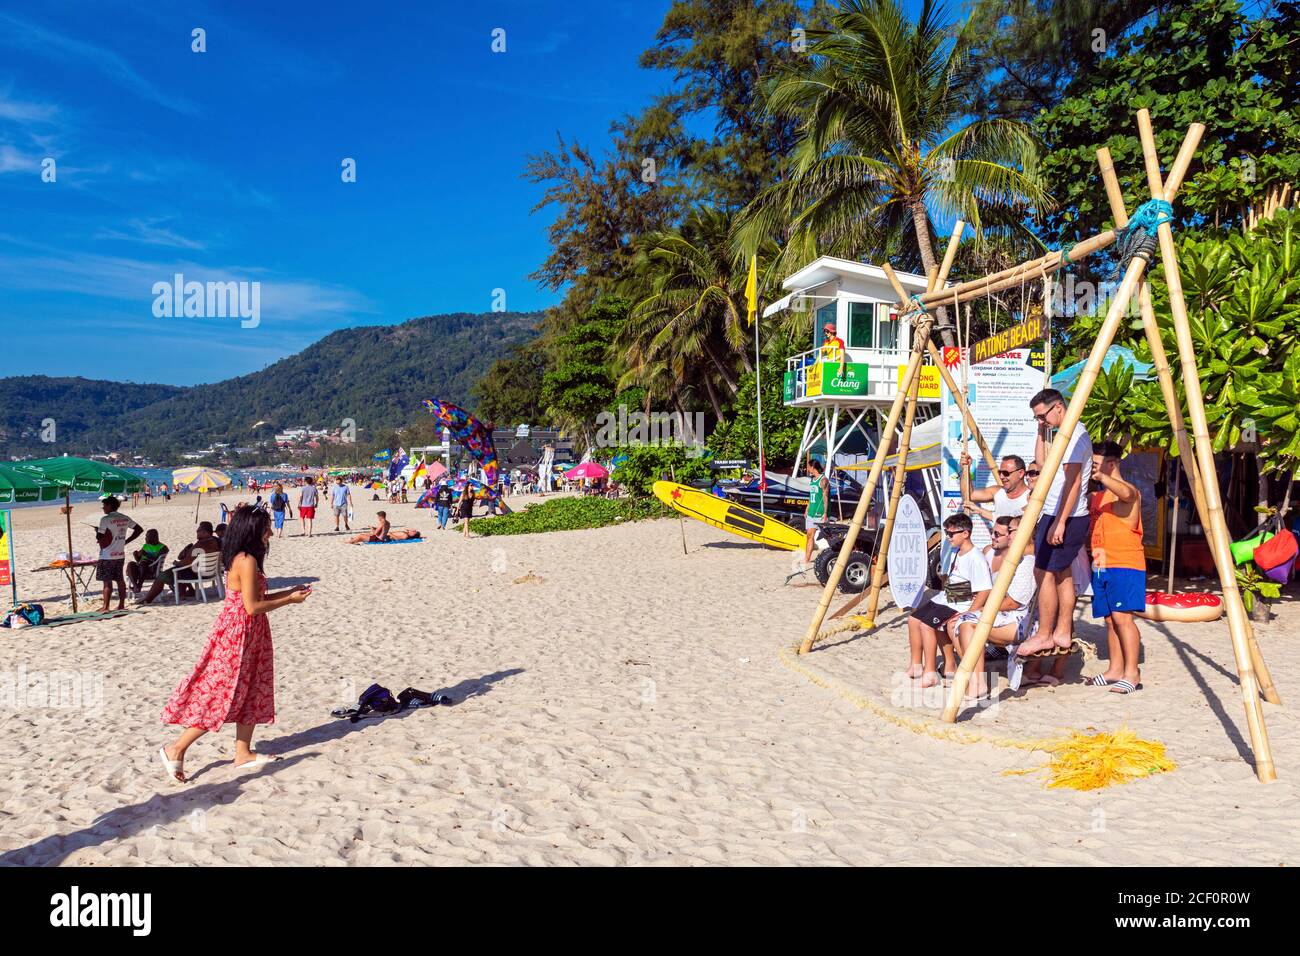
x,y
1124,687
1097,680
1015,670
172,767
258,762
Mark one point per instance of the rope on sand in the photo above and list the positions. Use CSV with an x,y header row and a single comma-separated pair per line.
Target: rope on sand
x,y
1079,761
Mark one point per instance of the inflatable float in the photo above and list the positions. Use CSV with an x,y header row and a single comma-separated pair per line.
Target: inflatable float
x,y
728,516
1196,606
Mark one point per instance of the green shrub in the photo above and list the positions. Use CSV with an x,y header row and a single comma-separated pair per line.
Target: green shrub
x,y
647,464
571,514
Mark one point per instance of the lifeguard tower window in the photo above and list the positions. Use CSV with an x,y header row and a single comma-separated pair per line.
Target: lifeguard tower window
x,y
870,327
825,314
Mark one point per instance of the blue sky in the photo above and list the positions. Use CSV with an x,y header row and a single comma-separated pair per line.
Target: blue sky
x,y
225,165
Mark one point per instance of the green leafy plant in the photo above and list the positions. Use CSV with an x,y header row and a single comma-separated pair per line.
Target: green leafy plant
x,y
1251,583
646,464
570,514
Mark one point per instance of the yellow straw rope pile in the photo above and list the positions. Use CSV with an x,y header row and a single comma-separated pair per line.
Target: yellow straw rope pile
x,y
1084,762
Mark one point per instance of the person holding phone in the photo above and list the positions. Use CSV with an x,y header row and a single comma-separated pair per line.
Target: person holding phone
x,y
234,679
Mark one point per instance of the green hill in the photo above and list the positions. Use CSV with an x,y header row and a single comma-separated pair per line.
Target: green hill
x,y
373,375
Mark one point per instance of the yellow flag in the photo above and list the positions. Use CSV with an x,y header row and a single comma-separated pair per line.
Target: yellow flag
x,y
751,289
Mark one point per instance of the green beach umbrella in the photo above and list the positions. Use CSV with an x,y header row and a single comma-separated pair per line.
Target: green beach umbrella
x,y
81,474
20,487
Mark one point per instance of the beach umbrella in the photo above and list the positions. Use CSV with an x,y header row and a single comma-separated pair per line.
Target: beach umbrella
x,y
200,478
81,474
19,487
588,469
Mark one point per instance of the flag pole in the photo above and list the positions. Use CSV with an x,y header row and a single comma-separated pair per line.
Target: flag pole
x,y
751,293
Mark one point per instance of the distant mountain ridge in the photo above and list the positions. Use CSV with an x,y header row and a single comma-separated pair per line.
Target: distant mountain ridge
x,y
375,376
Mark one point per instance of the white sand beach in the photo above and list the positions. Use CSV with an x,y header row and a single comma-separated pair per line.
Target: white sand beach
x,y
619,703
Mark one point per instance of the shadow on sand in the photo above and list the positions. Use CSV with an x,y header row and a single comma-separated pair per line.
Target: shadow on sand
x,y
172,805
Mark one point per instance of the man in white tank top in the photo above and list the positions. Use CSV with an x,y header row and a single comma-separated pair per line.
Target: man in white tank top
x,y
1009,497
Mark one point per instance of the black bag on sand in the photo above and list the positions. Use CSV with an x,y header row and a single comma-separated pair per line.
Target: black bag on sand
x,y
378,701
418,698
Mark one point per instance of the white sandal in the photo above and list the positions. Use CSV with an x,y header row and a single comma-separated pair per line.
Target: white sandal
x,y
172,767
259,761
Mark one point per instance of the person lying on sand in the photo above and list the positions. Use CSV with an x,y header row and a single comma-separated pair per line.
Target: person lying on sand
x,y
384,532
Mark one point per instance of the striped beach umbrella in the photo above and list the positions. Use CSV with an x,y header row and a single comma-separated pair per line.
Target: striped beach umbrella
x,y
200,478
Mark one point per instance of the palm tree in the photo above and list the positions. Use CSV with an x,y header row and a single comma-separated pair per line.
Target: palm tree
x,y
884,144
689,319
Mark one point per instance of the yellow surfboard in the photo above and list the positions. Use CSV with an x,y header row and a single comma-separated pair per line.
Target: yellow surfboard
x,y
728,516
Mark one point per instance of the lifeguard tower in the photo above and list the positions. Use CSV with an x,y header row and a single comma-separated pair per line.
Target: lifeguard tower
x,y
863,305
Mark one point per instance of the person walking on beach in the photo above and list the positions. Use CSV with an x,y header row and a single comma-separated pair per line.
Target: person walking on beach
x,y
816,515
112,551
234,679
466,508
1119,568
443,499
1062,528
307,505
341,497
279,505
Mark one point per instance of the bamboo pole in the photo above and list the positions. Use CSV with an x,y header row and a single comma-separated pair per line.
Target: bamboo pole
x,y
72,571
953,387
895,493
937,276
1034,269
1217,532
1034,506
920,335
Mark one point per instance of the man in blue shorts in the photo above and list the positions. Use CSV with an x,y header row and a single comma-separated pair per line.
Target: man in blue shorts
x,y
1062,527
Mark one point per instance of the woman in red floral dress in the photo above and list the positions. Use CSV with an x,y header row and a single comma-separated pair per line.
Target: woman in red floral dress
x,y
234,680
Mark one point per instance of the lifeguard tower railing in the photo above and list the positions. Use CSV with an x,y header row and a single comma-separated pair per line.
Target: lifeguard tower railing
x,y
869,376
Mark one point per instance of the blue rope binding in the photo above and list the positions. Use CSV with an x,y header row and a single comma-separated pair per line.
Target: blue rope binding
x,y
1138,238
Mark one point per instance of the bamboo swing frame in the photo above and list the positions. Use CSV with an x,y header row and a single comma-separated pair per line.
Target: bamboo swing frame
x,y
1195,451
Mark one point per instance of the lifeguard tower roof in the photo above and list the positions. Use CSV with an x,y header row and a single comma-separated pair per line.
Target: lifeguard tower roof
x,y
827,269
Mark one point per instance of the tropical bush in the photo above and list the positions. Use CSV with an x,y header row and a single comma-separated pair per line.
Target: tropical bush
x,y
570,514
646,464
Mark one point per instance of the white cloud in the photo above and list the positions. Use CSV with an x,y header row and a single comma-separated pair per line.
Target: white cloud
x,y
41,41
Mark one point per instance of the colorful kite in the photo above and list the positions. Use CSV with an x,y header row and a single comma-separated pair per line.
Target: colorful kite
x,y
470,432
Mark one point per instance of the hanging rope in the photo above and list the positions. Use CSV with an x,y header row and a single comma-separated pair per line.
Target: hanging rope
x,y
1066,264
1138,238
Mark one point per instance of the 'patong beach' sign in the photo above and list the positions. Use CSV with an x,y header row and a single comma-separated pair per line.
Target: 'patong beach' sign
x,y
1015,337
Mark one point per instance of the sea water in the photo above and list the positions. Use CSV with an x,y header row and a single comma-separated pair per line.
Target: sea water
x,y
154,476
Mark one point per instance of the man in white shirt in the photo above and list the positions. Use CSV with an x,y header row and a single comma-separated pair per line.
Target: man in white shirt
x,y
1015,605
112,538
966,587
1062,527
1008,496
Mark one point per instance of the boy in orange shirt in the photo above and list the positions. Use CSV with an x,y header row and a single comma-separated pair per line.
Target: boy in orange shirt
x,y
1119,568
